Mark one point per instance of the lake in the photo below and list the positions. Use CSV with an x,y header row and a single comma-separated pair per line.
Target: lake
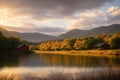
x,y
54,60
57,60
44,65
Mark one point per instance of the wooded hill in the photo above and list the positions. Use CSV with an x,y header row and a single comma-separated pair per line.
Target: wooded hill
x,y
82,43
8,43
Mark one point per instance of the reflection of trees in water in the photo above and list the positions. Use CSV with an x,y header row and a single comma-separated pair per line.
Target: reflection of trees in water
x,y
11,59
80,61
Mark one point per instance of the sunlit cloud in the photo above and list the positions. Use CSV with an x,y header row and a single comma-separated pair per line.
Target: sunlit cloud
x,y
85,21
57,16
114,11
96,18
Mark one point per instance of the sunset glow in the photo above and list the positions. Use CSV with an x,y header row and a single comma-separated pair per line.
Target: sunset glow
x,y
58,16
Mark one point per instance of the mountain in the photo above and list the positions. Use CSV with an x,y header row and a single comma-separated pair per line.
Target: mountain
x,y
39,37
36,37
31,37
100,30
8,33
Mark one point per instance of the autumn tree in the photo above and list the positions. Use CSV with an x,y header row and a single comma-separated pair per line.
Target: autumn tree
x,y
114,41
82,43
56,45
65,45
79,44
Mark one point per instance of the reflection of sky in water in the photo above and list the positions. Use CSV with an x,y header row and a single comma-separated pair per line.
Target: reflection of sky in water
x,y
33,61
45,66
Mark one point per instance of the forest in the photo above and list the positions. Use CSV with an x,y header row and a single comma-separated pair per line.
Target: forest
x,y
83,43
8,43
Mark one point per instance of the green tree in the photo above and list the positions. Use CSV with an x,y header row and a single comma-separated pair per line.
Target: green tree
x,y
72,42
1,35
115,43
13,42
8,43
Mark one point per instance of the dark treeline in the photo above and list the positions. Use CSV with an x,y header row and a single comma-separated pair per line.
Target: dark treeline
x,y
83,43
8,43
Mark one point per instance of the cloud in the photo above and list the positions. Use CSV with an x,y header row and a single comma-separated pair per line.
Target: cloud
x,y
56,16
44,29
51,30
87,20
96,18
113,13
52,8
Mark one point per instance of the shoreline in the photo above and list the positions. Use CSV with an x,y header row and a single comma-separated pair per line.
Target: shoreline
x,y
96,53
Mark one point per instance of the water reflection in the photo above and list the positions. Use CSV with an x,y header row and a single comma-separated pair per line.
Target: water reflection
x,y
33,61
57,60
80,61
11,59
55,66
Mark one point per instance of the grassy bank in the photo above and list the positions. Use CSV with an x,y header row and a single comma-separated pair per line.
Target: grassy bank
x,y
37,74
107,53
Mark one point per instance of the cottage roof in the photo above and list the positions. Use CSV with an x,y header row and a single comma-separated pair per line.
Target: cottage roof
x,y
21,45
100,44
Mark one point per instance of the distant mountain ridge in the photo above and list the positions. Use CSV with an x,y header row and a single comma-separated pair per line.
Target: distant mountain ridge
x,y
100,30
31,37
74,33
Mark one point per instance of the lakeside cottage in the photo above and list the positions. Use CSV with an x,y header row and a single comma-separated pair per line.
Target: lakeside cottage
x,y
23,47
102,46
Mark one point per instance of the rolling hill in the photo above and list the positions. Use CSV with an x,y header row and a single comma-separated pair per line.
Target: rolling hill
x,y
31,37
74,33
100,30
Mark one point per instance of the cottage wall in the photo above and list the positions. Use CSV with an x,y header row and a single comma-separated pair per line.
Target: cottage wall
x,y
23,48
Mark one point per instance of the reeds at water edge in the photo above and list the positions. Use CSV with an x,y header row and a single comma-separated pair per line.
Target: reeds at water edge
x,y
92,74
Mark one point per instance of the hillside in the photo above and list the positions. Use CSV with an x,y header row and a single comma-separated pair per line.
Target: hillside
x,y
35,37
31,37
39,37
100,30
8,33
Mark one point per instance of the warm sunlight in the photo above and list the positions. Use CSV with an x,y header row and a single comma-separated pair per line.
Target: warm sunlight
x,y
8,18
26,16
4,16
59,39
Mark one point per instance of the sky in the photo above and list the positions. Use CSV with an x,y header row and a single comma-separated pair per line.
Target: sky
x,y
54,17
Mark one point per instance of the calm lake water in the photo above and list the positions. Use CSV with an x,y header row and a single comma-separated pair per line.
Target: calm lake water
x,y
50,63
57,60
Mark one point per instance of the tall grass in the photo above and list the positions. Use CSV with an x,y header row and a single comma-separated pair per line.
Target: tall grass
x,y
59,74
